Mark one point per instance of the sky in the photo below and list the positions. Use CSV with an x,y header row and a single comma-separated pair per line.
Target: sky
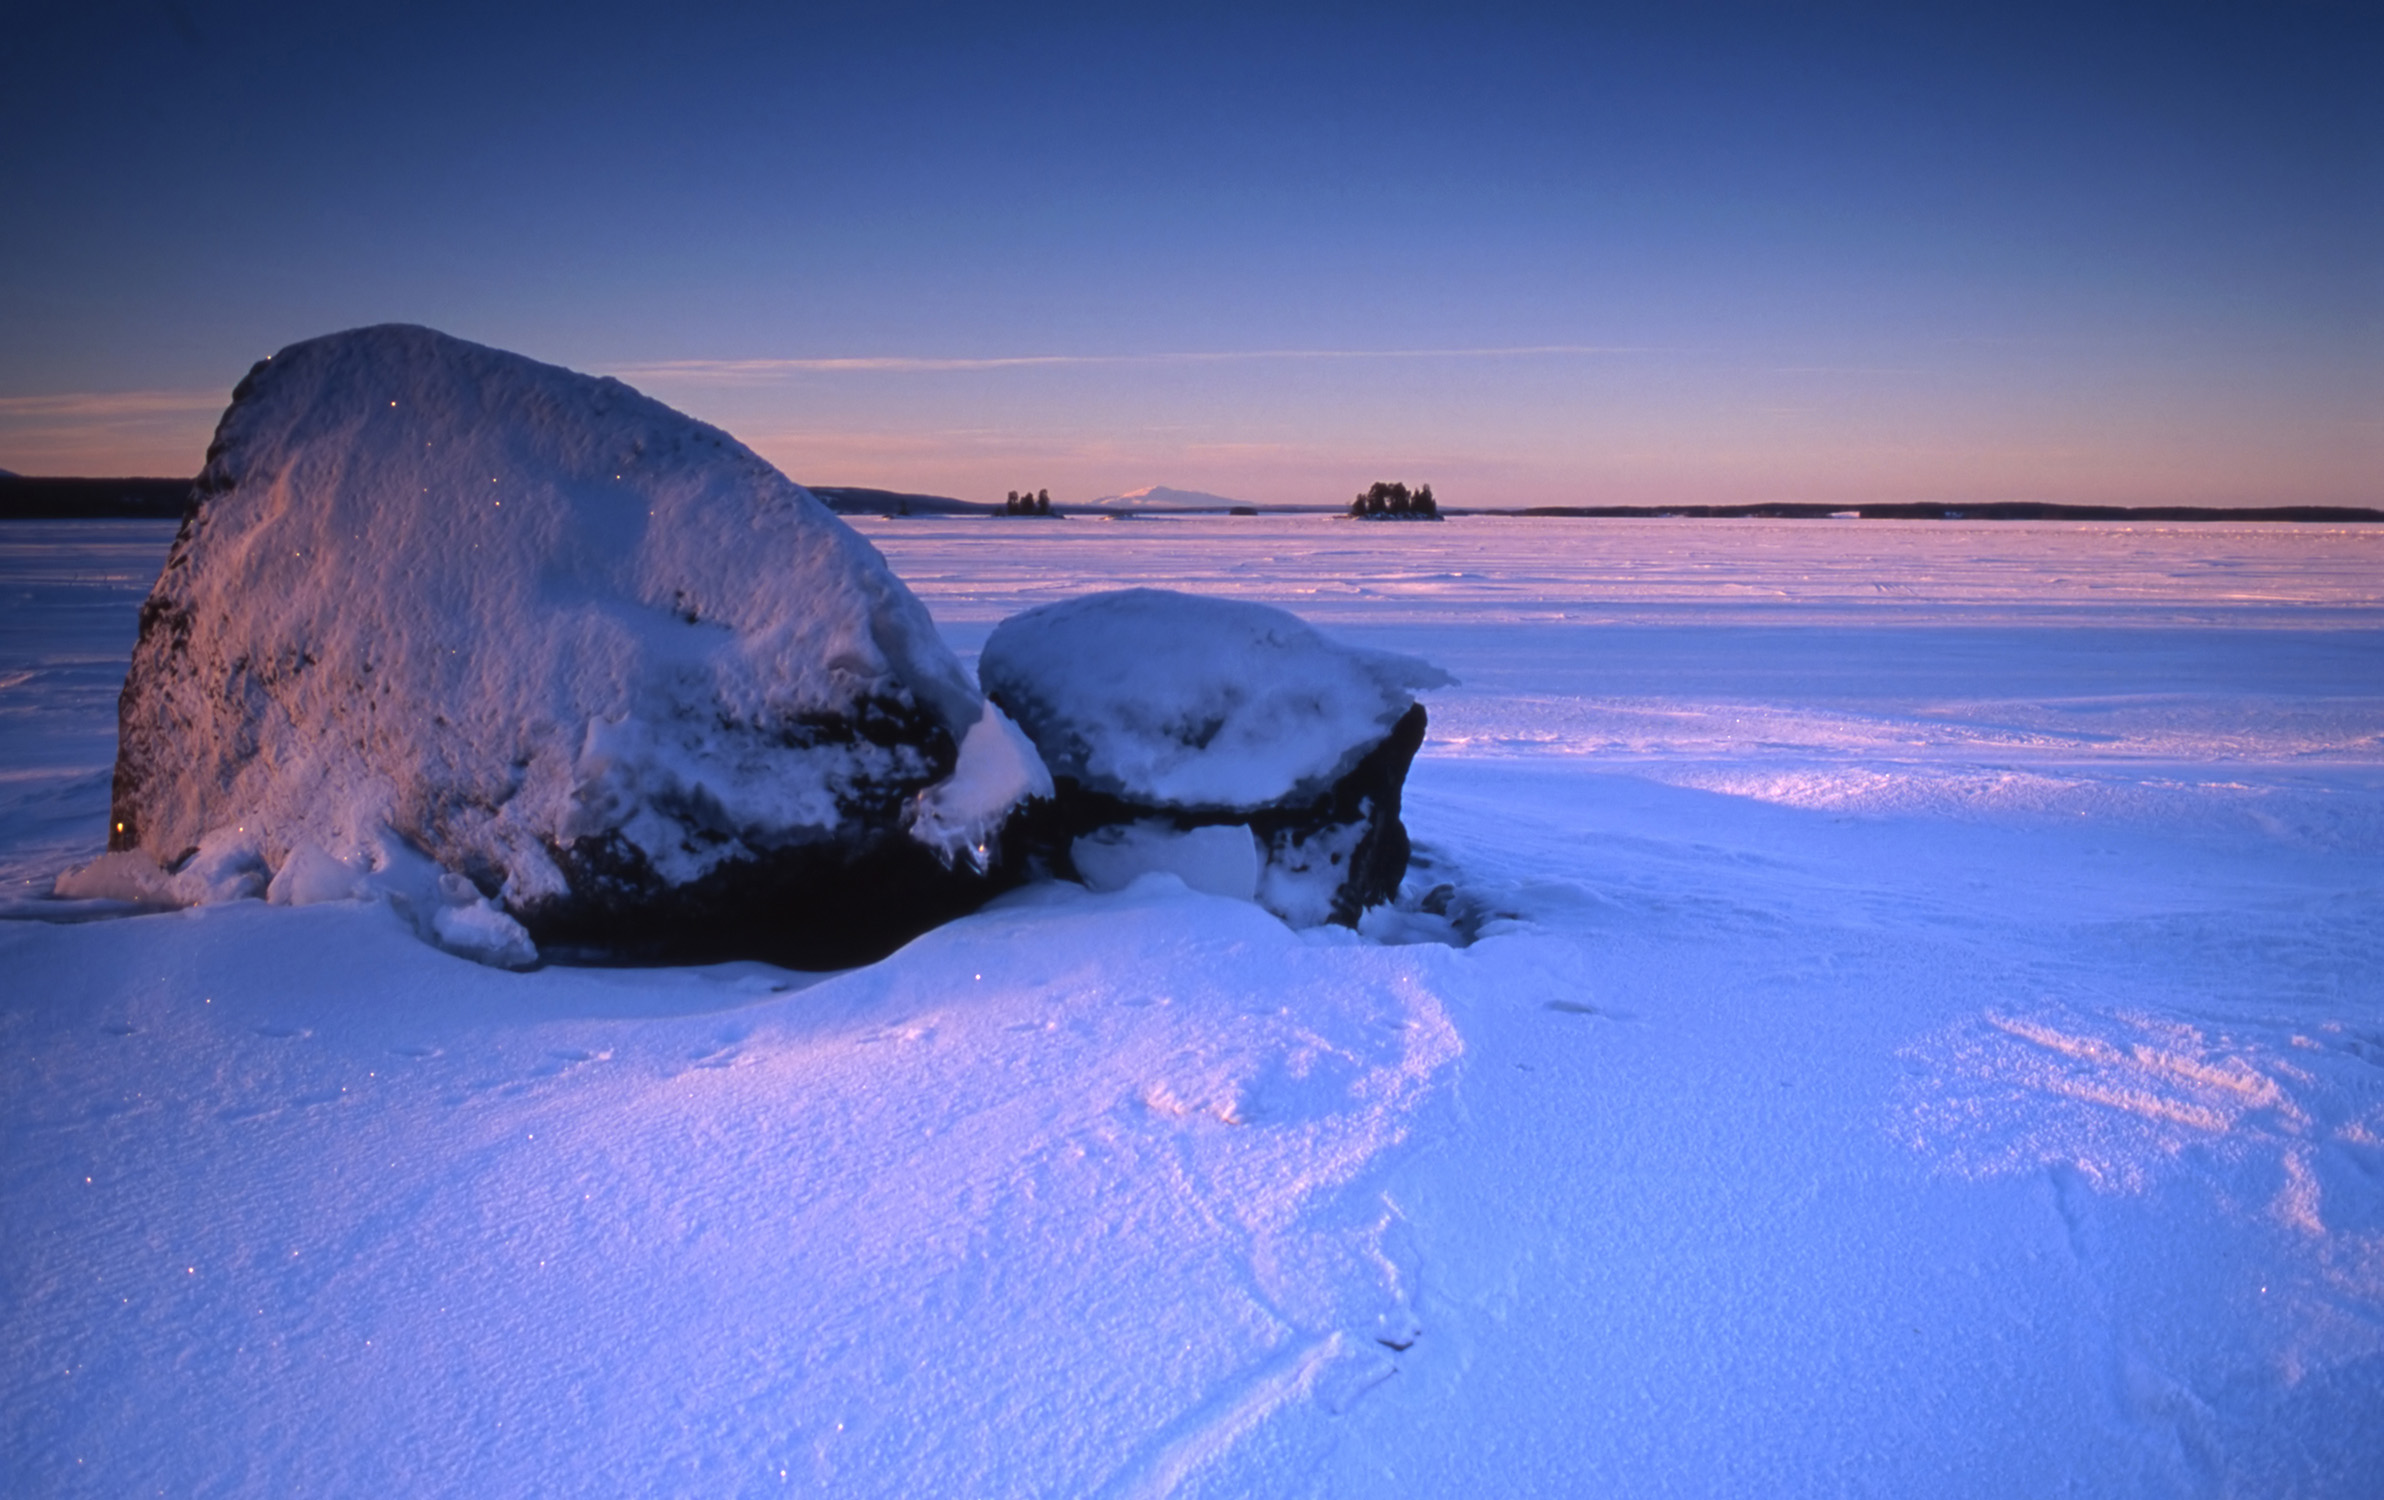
x,y
1590,255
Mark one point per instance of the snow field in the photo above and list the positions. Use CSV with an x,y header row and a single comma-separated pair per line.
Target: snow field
x,y
1953,1054
1500,570
1926,1036
683,1231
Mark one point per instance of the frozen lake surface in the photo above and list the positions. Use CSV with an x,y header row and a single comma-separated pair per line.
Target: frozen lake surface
x,y
1927,1037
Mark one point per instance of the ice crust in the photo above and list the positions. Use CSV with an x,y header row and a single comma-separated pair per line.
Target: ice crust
x,y
997,770
501,607
1199,704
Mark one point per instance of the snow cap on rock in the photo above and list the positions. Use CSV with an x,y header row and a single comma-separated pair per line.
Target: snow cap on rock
x,y
1179,701
572,644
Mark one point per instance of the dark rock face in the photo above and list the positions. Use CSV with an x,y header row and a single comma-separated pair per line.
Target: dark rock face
x,y
1349,841
589,668
1326,859
826,905
1161,713
809,903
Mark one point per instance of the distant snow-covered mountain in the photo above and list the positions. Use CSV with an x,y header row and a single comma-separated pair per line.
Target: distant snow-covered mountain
x,y
1160,497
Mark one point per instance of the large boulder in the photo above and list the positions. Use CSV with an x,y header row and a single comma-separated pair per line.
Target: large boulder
x,y
594,672
1229,743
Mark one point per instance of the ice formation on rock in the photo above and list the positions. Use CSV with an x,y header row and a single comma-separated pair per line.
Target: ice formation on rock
x,y
1158,711
1222,859
628,688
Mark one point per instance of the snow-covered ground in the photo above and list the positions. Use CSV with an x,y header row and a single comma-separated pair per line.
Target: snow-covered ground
x,y
1934,1044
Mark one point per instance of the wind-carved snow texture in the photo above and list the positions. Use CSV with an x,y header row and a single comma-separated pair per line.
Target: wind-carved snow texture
x,y
620,680
2287,1115
1165,716
709,1228
2120,1099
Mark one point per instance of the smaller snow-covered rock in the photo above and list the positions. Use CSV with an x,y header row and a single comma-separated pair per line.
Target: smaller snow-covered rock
x,y
1195,704
1161,713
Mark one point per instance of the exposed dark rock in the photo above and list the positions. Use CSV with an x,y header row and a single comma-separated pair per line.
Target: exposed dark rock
x,y
1328,858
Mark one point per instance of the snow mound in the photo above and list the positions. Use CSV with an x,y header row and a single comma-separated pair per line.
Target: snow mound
x,y
595,658
1013,1207
1160,497
1213,705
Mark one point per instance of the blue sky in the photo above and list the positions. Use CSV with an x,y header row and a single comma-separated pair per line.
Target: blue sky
x,y
1656,254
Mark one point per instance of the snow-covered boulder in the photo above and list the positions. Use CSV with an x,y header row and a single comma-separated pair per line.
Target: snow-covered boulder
x,y
630,690
1164,715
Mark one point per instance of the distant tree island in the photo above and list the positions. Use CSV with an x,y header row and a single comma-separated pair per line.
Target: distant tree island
x,y
1394,502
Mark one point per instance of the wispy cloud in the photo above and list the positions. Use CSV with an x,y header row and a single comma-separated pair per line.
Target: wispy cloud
x,y
107,405
1848,370
107,432
767,369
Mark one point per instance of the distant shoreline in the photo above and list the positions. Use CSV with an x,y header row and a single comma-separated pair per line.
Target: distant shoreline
x,y
2000,510
75,499
24,499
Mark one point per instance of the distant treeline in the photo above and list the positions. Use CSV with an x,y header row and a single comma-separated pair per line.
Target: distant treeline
x,y
23,499
2002,510
857,500
1386,501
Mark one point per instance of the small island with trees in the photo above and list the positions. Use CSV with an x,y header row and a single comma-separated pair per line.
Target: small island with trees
x,y
1394,502
1036,504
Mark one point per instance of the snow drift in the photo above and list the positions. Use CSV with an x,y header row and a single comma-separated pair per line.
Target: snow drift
x,y
1928,1045
624,684
1165,716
